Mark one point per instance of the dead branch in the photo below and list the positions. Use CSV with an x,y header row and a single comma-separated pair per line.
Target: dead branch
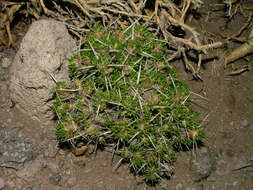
x,y
123,13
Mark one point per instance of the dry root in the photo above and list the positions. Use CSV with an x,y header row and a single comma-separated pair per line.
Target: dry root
x,y
159,15
7,13
241,51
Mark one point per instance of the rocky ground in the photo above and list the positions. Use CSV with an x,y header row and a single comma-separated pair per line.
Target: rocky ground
x,y
30,158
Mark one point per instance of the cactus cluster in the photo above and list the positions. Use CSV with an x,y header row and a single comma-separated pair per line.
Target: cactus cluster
x,y
124,94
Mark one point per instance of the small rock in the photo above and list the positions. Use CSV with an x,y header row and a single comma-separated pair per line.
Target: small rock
x,y
6,62
2,185
16,153
203,164
55,179
246,125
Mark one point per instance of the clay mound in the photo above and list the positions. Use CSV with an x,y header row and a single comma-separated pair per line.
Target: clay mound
x,y
40,58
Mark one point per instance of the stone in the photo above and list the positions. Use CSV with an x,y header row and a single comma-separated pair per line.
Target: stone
x,y
203,164
245,124
55,179
15,153
5,62
40,60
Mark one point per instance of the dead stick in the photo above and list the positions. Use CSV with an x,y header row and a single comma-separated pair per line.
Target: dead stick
x,y
240,52
82,8
188,66
199,62
134,7
189,43
185,10
180,23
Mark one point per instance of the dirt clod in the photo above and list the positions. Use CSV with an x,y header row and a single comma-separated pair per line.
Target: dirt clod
x,y
38,64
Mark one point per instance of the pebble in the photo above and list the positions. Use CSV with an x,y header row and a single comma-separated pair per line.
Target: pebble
x,y
246,125
2,185
6,62
204,164
16,153
55,179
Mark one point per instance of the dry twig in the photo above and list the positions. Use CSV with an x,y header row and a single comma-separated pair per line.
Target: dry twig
x,y
243,50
